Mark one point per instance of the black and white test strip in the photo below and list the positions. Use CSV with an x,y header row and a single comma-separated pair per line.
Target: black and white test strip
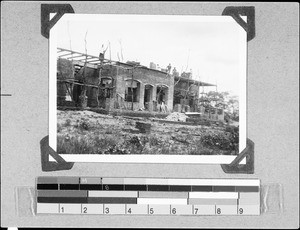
x,y
147,196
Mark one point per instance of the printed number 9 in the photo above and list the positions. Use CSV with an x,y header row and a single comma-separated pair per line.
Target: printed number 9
x,y
241,211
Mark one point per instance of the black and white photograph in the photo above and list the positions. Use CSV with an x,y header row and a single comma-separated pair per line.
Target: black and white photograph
x,y
147,88
149,114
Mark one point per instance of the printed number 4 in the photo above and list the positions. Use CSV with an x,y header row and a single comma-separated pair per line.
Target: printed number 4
x,y
129,211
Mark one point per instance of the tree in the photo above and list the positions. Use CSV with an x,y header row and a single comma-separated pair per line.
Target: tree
x,y
216,99
233,108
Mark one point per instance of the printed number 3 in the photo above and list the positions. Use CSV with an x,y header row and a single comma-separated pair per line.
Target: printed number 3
x,y
106,210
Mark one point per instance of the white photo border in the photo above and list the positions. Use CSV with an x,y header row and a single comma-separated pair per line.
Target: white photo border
x,y
183,159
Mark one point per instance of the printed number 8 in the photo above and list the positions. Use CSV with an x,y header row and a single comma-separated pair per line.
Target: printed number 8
x,y
218,211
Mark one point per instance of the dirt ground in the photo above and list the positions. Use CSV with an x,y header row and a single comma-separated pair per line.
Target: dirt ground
x,y
87,132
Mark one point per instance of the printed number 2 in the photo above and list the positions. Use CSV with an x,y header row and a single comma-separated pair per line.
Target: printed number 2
x,y
84,209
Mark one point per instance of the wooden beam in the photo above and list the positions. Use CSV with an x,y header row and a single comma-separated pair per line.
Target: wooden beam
x,y
80,63
74,56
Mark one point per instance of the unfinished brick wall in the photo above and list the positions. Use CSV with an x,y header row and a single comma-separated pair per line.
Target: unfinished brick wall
x,y
65,70
145,77
119,74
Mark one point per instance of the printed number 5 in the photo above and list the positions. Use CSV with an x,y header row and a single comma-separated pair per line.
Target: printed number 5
x,y
151,211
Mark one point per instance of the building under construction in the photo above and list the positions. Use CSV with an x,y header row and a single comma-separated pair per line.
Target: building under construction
x,y
113,85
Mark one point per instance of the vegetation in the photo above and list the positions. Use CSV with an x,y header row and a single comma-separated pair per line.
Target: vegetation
x,y
86,132
229,103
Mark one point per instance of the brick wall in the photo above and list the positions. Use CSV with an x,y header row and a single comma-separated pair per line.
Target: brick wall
x,y
119,74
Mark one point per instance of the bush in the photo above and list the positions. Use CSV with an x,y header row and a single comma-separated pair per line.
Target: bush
x,y
222,140
59,128
84,125
74,145
153,141
67,123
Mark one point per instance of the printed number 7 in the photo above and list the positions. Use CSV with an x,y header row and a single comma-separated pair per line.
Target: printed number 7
x,y
196,210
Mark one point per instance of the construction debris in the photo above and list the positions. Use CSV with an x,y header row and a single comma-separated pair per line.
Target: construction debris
x,y
177,117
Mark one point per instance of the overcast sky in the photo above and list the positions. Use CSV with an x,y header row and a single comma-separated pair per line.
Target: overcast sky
x,y
211,48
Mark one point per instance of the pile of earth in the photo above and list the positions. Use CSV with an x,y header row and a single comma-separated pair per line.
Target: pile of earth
x,y
177,117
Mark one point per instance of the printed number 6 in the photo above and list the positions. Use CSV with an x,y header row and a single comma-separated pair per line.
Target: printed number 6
x,y
174,211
